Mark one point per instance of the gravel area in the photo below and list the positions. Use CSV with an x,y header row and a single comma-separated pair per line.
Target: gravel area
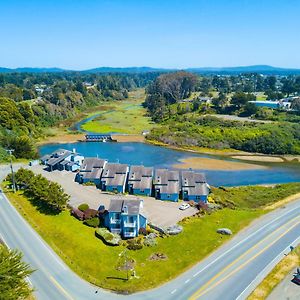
x,y
160,213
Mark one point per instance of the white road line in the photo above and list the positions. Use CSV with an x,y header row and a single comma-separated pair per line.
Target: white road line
x,y
262,274
174,291
187,280
242,241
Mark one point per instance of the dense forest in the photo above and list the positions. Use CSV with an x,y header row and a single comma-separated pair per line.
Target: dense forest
x,y
30,102
181,101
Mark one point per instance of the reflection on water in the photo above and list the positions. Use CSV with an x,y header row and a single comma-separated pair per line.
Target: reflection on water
x,y
150,155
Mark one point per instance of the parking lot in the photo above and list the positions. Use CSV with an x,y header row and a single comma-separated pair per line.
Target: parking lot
x,y
160,213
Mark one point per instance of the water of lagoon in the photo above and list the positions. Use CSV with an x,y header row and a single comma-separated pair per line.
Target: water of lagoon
x,y
161,157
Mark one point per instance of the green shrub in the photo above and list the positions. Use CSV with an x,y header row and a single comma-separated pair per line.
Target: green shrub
x,y
89,183
135,244
93,222
83,207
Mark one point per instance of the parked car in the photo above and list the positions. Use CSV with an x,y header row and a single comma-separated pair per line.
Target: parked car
x,y
184,206
296,278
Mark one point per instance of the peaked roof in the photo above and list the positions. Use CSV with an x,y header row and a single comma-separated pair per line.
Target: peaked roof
x,y
132,206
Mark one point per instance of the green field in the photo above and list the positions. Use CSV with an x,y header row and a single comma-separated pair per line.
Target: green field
x,y
126,116
96,262
256,196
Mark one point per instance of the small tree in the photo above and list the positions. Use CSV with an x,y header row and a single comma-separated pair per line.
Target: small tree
x,y
13,272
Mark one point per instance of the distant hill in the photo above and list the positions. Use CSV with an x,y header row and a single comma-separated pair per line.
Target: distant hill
x,y
31,70
126,70
261,69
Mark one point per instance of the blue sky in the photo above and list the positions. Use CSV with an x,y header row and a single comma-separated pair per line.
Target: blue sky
x,y
82,34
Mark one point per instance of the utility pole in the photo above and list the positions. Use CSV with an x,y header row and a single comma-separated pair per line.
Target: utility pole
x,y
10,151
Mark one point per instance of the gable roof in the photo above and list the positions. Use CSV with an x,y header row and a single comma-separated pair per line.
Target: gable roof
x,y
119,205
58,157
163,176
167,181
190,178
90,163
140,177
111,169
194,183
137,172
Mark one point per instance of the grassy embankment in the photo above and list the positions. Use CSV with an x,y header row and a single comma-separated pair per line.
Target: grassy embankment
x,y
280,271
76,243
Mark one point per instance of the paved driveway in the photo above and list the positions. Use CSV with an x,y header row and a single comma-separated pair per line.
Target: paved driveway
x,y
161,213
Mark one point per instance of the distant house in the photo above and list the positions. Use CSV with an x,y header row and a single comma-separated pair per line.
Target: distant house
x,y
266,103
114,177
44,159
140,180
166,185
64,160
125,217
194,186
284,103
91,170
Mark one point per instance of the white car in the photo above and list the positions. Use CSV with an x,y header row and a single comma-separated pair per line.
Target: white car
x,y
184,206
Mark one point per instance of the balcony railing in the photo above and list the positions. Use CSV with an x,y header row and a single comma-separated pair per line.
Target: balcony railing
x,y
130,224
115,230
115,221
129,234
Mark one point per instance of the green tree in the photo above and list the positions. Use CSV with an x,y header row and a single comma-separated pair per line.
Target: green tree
x,y
56,197
13,274
239,99
296,104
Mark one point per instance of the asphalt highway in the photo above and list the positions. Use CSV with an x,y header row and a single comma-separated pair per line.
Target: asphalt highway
x,y
231,272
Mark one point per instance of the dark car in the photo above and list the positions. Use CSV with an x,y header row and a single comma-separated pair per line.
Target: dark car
x,y
296,278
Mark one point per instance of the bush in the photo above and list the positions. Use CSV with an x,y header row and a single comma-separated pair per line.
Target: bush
x,y
90,213
107,237
83,207
135,244
150,240
89,183
94,222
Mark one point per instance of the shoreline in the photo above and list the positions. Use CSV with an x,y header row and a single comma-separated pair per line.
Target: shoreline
x,y
215,164
235,154
243,157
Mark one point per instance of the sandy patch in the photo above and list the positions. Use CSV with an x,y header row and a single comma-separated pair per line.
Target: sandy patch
x,y
259,158
214,164
62,139
129,138
283,201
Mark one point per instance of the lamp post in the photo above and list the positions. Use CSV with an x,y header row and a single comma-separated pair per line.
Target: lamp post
x,y
10,151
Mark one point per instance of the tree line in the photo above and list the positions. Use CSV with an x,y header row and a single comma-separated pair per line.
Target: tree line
x,y
48,195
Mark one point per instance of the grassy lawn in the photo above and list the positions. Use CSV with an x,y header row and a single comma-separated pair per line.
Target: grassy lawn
x,y
126,116
261,96
96,262
280,271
